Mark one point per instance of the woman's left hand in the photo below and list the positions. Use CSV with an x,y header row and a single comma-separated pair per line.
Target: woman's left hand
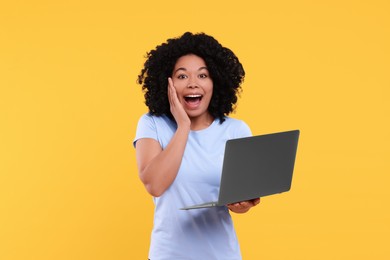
x,y
243,206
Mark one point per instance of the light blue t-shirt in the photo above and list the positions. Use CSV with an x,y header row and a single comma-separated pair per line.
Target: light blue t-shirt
x,y
201,233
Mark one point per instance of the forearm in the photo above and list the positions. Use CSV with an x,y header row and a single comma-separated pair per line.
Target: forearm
x,y
162,170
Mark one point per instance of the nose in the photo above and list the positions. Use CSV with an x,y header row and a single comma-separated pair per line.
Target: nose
x,y
192,83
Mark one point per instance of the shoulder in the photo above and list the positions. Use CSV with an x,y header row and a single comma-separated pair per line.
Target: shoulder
x,y
236,126
150,119
233,121
160,128
149,123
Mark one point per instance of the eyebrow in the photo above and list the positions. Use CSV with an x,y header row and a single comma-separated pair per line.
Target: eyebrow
x,y
181,68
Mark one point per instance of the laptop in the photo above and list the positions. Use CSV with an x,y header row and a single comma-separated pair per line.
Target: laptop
x,y
255,167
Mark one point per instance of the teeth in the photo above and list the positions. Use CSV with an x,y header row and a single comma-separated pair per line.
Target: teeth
x,y
193,96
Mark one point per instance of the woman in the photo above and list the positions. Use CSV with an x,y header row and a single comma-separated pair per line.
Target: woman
x,y
191,85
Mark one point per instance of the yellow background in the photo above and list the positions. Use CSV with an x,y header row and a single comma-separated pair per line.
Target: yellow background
x,y
69,106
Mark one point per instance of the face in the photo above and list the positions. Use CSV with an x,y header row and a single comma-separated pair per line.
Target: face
x,y
193,85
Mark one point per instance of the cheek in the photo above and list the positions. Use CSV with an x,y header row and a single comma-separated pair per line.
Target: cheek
x,y
179,85
210,90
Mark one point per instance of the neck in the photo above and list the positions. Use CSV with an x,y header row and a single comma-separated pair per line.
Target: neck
x,y
201,122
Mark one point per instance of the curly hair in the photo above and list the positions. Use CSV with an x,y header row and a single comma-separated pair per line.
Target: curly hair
x,y
226,72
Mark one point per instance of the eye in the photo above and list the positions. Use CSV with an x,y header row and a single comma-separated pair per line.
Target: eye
x,y
203,76
182,76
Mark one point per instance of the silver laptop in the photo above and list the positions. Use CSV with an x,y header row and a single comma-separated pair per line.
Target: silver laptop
x,y
255,167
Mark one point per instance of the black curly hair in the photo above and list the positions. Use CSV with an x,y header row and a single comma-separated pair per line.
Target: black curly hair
x,y
224,68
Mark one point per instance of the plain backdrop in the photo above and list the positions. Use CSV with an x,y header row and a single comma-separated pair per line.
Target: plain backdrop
x,y
69,105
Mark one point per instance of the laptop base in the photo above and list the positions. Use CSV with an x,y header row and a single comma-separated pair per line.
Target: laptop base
x,y
203,205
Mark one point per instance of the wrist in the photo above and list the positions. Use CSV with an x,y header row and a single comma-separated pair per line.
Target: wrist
x,y
183,128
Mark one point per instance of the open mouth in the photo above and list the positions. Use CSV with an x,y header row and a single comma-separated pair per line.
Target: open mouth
x,y
193,99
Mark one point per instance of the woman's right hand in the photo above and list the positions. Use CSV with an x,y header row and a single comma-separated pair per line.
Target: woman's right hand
x,y
158,167
177,109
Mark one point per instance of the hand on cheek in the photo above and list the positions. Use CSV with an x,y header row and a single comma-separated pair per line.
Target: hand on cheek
x,y
176,107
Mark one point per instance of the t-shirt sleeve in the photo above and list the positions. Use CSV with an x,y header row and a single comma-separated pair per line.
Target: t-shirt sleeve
x,y
146,128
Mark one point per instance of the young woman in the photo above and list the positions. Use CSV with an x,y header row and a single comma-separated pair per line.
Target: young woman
x,y
191,85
